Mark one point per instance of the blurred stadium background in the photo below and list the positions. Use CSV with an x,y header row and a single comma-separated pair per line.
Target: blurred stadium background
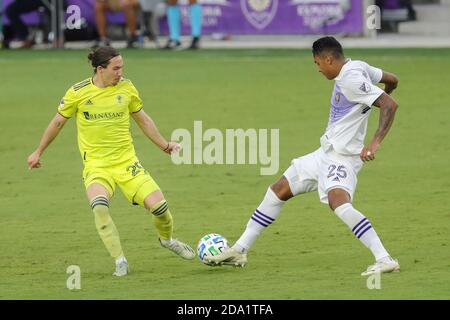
x,y
241,23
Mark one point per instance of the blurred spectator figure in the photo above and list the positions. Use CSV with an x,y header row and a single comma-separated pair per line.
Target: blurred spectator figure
x,y
148,9
18,29
411,12
129,7
394,12
396,4
174,21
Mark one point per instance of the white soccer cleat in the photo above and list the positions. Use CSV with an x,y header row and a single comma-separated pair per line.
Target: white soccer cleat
x,y
385,265
180,248
122,269
229,257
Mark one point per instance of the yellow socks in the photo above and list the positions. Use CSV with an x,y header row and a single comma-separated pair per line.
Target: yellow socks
x,y
162,220
106,227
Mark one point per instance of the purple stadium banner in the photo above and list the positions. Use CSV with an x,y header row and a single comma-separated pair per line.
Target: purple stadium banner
x,y
252,16
275,16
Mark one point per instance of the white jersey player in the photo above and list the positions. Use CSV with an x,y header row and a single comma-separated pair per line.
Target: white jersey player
x,y
332,169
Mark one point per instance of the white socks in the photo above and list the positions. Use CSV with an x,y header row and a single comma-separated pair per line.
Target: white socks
x,y
120,260
271,206
266,213
362,228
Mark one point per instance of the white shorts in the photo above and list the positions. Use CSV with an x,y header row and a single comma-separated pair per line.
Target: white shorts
x,y
323,171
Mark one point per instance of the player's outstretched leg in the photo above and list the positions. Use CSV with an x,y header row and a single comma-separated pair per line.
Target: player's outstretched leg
x,y
266,213
339,201
163,222
108,231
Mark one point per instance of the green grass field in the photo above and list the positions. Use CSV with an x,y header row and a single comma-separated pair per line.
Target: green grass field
x,y
46,223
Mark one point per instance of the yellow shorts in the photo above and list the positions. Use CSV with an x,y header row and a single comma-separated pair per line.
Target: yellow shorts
x,y
134,181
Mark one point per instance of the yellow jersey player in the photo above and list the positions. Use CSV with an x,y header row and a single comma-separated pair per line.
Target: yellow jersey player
x,y
103,106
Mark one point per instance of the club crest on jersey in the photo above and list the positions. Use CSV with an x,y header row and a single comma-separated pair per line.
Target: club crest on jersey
x,y
365,87
259,13
119,99
337,97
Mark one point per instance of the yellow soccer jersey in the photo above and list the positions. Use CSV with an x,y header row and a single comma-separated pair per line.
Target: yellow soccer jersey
x,y
103,120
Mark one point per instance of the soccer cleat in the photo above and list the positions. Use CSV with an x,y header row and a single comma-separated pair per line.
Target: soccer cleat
x,y
122,269
172,45
194,44
230,257
180,248
149,35
383,266
132,42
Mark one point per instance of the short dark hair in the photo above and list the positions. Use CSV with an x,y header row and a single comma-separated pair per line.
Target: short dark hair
x,y
327,45
102,56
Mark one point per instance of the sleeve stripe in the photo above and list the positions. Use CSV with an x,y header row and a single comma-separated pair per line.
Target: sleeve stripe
x,y
138,110
76,88
63,115
376,96
81,84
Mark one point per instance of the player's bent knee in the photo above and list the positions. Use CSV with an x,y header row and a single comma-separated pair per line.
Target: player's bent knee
x,y
95,190
281,189
153,198
338,197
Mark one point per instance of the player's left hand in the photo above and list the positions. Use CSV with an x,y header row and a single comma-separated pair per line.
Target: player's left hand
x,y
368,152
34,160
173,147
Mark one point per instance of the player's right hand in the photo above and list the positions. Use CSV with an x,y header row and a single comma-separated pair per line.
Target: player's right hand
x,y
173,147
34,160
368,152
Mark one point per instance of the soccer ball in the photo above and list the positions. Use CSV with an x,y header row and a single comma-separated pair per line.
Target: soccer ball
x,y
211,245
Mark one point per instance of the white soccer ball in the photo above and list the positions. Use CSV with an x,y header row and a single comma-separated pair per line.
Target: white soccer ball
x,y
211,245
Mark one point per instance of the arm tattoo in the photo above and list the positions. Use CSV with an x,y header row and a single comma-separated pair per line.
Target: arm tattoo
x,y
387,113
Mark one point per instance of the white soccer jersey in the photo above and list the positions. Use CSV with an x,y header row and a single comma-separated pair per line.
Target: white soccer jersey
x,y
353,95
